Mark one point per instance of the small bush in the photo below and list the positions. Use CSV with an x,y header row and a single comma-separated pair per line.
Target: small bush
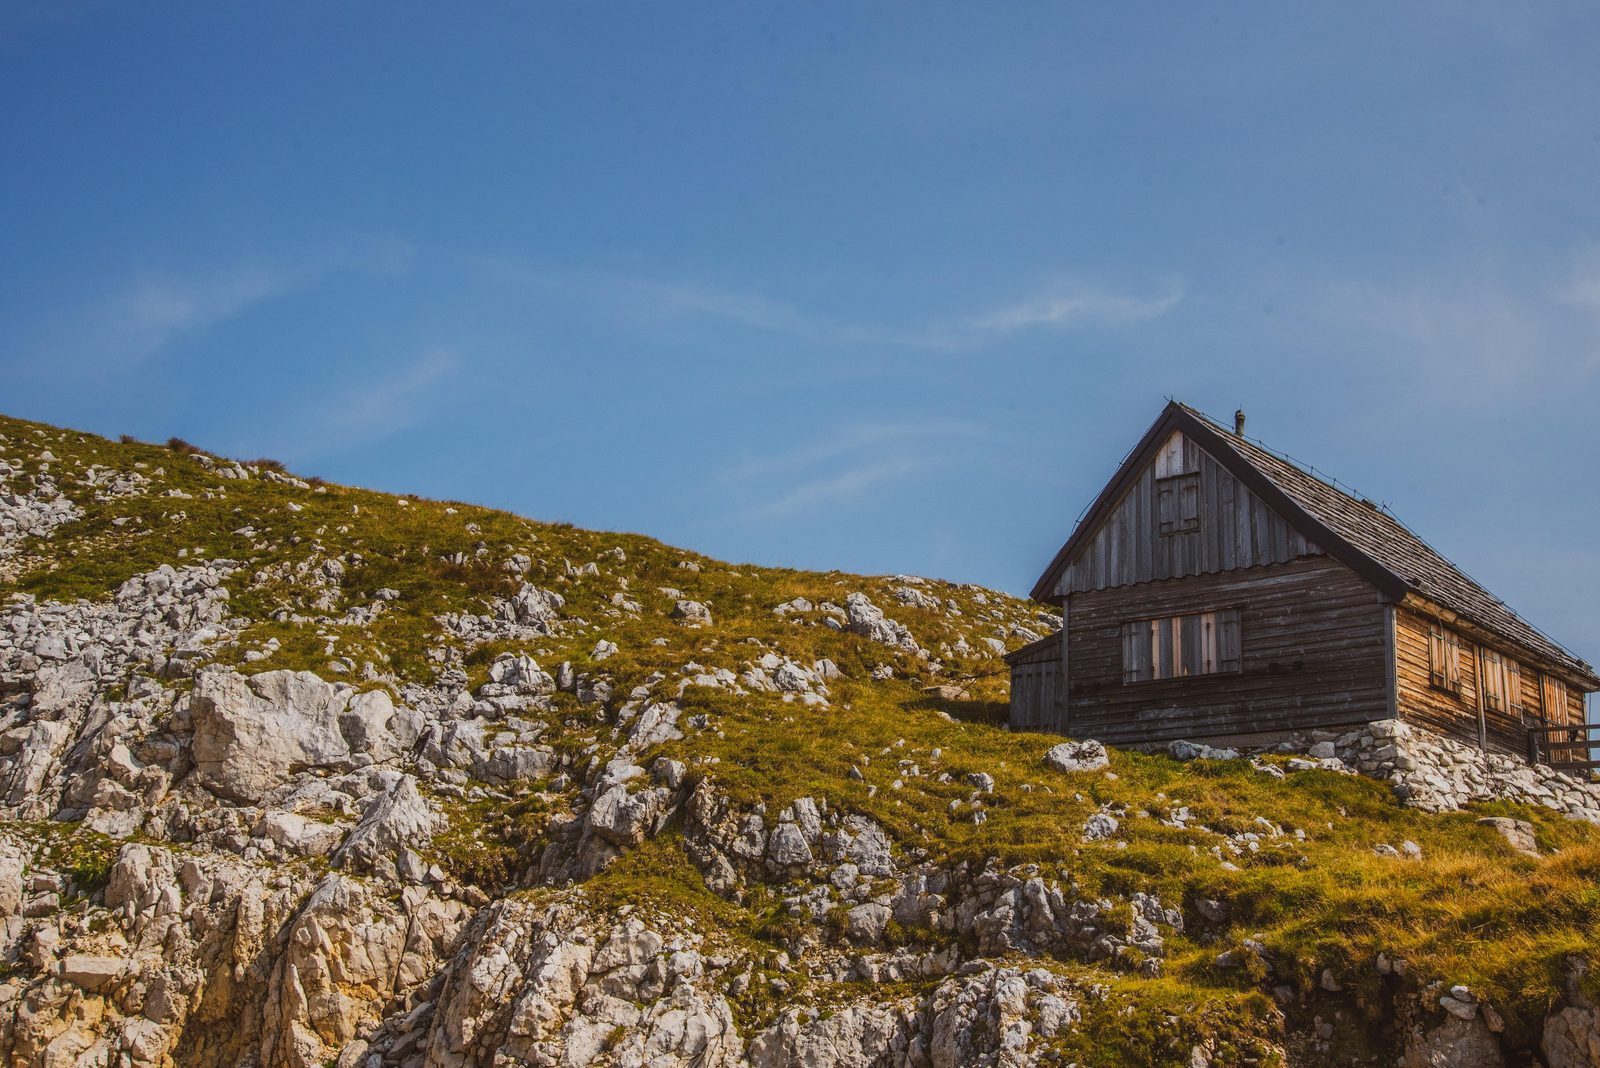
x,y
179,445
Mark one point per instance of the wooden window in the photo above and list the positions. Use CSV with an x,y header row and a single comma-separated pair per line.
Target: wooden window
x,y
1171,647
1500,679
1178,504
1444,660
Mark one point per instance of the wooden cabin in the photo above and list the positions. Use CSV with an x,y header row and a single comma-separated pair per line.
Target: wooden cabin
x,y
1216,590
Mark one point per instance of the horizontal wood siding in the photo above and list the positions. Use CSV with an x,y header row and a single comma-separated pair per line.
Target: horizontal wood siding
x,y
1237,529
1416,698
1458,714
1314,639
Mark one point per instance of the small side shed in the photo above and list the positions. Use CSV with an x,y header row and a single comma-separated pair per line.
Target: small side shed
x,y
1036,685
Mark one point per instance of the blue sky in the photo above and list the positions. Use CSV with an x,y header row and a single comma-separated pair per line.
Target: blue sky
x,y
882,287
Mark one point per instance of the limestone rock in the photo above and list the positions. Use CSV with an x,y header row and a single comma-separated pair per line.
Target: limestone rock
x,y
1086,755
251,734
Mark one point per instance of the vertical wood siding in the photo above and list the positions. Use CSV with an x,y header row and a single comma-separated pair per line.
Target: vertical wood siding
x,y
1236,529
1314,639
1036,686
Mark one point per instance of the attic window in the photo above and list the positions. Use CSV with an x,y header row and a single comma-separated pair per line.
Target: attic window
x,y
1178,504
1172,647
1444,660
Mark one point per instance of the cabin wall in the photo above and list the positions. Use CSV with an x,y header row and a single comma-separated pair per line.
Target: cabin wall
x,y
1236,530
1458,714
1314,653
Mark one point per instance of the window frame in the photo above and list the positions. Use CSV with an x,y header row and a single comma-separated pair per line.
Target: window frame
x,y
1164,645
1182,490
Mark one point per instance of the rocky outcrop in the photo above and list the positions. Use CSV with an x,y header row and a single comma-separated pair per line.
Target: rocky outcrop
x,y
1438,774
452,856
549,984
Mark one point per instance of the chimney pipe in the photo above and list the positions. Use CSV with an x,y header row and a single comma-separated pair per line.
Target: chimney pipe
x,y
1238,423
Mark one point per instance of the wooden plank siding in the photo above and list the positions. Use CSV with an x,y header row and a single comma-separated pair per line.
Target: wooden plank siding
x,y
1417,700
1036,685
1540,698
1314,639
1236,529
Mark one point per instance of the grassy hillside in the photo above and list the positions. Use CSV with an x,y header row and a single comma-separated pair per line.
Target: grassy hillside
x,y
360,585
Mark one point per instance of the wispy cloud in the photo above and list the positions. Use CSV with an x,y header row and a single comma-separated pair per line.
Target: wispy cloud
x,y
1071,304
842,485
151,312
846,442
844,465
137,317
1065,305
1481,338
377,409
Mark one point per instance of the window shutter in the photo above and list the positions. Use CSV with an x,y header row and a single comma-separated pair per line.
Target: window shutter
x,y
1201,643
1208,643
1189,503
1493,680
1514,688
1228,640
1555,701
1136,651
1166,508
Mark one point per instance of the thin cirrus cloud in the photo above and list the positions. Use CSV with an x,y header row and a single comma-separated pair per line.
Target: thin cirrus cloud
x,y
140,316
1474,338
1070,304
842,466
375,410
1065,305
152,312
841,485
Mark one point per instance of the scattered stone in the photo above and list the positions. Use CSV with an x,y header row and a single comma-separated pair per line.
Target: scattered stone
x,y
1086,755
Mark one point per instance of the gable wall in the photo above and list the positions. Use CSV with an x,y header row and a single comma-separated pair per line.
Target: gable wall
x,y
1237,530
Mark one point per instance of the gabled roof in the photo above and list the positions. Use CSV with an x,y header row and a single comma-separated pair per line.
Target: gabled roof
x,y
1355,532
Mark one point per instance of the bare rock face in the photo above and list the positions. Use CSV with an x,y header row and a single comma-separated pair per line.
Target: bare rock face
x,y
868,620
1519,833
397,821
344,951
1572,1037
252,735
548,985
1454,1043
857,1036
